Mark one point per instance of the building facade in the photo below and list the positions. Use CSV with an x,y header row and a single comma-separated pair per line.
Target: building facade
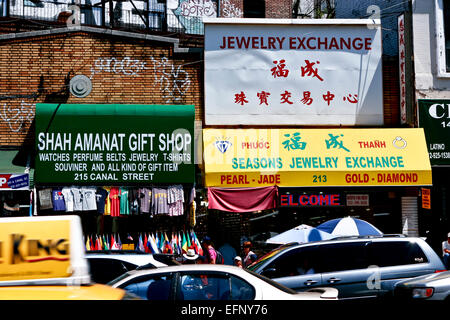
x,y
430,30
148,53
97,86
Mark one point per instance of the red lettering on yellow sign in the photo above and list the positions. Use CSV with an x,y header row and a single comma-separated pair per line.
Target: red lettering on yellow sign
x,y
234,179
357,178
239,179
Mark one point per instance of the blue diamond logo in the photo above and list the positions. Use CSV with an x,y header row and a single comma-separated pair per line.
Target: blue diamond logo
x,y
222,145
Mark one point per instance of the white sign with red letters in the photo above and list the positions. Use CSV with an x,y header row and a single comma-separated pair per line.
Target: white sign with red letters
x,y
293,72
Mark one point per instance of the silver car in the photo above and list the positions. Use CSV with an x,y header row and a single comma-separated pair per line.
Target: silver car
x,y
435,286
359,267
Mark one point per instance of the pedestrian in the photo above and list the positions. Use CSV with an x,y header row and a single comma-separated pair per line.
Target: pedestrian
x,y
209,252
228,253
446,252
238,262
249,255
190,257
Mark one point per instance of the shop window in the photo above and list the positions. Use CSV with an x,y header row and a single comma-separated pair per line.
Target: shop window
x,y
254,9
443,37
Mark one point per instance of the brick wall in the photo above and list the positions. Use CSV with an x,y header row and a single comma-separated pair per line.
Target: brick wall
x,y
37,70
279,9
391,92
231,9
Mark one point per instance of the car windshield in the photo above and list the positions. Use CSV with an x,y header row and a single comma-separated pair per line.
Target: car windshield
x,y
271,282
255,265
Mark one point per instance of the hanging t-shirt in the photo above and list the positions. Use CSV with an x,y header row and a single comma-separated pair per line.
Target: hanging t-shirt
x,y
68,198
145,198
115,201
159,201
124,201
108,202
133,197
176,200
58,200
45,199
77,199
100,197
89,200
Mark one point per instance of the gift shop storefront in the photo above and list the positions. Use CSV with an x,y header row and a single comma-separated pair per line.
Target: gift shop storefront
x,y
125,169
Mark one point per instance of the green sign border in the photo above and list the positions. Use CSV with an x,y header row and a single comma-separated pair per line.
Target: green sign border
x,y
153,125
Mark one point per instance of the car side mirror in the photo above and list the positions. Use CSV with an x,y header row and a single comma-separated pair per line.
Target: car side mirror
x,y
269,273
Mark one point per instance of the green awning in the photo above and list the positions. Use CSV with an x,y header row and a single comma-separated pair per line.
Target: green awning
x,y
6,162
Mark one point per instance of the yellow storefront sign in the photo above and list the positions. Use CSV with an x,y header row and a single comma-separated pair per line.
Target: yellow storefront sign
x,y
315,157
34,248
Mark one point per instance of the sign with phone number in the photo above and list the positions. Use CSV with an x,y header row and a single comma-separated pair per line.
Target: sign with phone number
x,y
434,118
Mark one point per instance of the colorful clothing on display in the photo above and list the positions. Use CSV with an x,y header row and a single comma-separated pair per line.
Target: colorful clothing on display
x,y
116,201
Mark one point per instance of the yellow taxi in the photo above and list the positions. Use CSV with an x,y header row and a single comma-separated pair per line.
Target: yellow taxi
x,y
62,292
42,258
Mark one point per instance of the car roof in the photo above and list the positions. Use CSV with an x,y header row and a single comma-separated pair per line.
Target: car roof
x,y
195,267
188,267
137,259
347,239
